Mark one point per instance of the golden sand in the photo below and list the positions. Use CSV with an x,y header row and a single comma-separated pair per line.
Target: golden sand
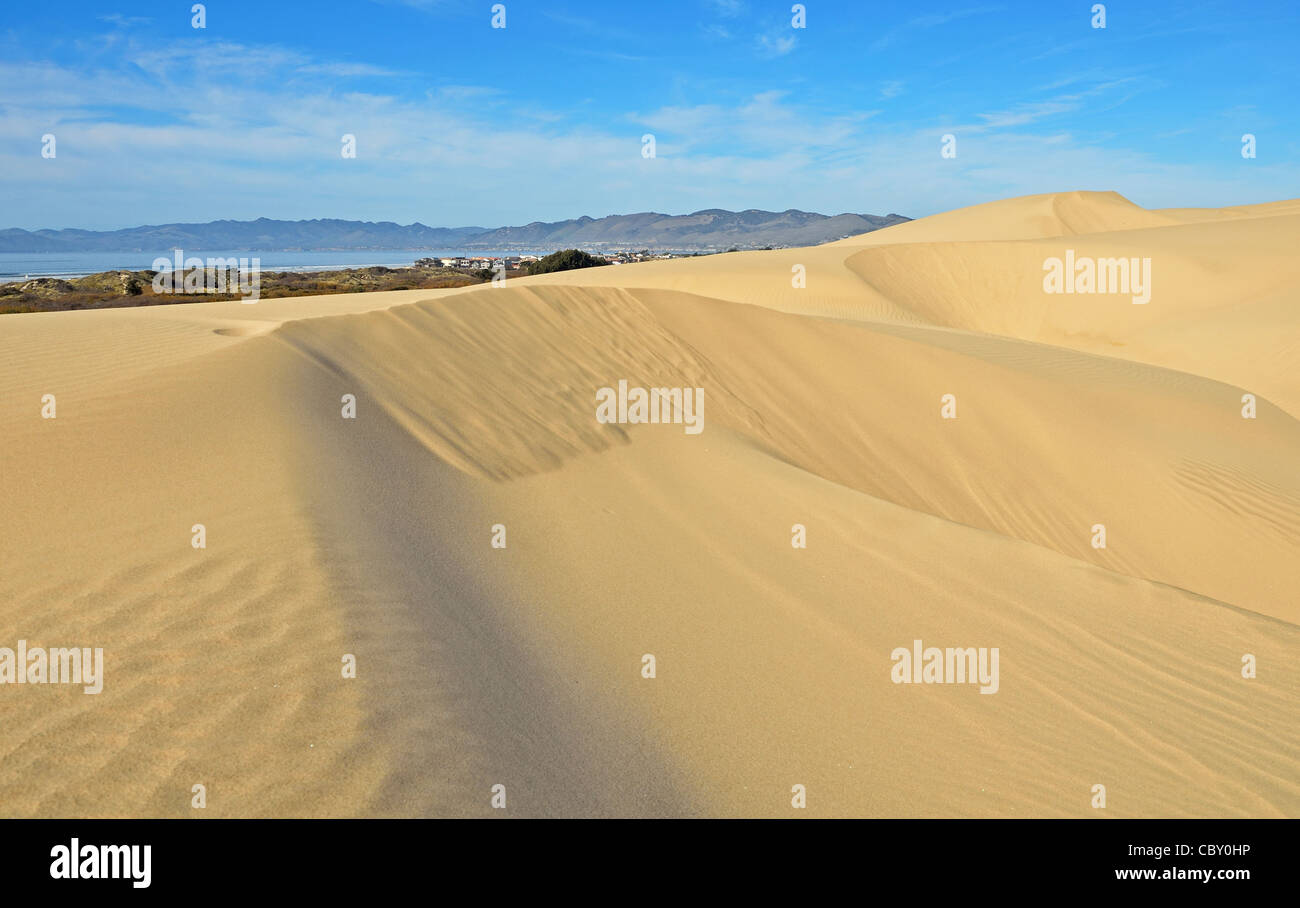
x,y
522,666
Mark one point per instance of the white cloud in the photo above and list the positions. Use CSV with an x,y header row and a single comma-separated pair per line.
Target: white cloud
x,y
932,20
264,140
124,21
776,45
727,8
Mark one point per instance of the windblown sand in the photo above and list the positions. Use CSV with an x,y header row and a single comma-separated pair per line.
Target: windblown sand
x,y
522,666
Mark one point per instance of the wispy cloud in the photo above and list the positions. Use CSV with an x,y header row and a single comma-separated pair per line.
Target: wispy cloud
x,y
346,70
930,21
422,5
122,21
597,25
727,8
776,45
604,54
245,129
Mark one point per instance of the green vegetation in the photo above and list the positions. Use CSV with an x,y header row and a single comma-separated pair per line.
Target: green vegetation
x,y
110,289
565,260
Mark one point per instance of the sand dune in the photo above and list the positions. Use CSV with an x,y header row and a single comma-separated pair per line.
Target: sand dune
x,y
522,666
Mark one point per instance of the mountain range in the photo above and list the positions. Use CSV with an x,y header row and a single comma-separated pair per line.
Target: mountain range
x,y
712,228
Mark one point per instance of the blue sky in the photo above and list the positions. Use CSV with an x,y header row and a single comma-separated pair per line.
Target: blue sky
x,y
458,123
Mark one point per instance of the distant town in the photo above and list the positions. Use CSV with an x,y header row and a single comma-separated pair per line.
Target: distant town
x,y
523,260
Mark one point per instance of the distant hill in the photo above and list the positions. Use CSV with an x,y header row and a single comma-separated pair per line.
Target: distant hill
x,y
712,228
263,234
709,229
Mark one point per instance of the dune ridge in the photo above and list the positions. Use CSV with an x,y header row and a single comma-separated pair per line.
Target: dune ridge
x,y
521,666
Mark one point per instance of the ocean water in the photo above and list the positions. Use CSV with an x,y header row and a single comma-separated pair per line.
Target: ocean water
x,y
15,266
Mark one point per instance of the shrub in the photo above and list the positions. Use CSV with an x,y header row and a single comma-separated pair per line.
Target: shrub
x,y
565,260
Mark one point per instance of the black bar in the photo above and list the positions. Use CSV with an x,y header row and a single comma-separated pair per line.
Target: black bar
x,y
334,858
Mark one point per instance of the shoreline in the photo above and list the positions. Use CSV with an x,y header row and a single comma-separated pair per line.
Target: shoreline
x,y
281,261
